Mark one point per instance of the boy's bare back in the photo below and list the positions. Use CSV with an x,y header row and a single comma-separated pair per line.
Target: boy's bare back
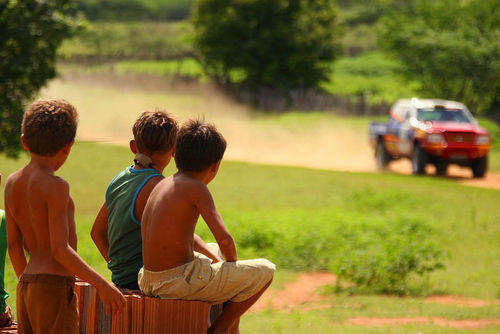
x,y
39,203
170,218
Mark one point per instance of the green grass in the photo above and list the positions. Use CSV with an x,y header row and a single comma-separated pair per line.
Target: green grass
x,y
295,204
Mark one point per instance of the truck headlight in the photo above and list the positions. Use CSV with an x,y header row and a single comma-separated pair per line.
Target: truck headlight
x,y
483,140
435,138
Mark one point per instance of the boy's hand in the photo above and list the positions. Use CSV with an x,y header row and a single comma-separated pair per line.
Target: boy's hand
x,y
217,258
112,299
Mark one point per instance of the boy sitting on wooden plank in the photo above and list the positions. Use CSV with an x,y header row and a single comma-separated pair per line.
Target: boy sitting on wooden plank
x,y
171,267
117,227
41,220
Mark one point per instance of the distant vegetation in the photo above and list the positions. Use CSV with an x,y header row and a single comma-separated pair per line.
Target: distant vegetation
x,y
380,62
115,40
282,44
134,10
452,47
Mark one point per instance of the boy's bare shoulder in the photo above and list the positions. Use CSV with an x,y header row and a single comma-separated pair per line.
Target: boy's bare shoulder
x,y
188,186
190,183
40,182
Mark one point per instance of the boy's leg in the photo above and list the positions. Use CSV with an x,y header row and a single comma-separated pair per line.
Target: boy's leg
x,y
23,323
233,311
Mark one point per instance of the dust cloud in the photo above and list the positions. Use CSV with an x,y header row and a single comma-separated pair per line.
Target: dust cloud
x,y
108,107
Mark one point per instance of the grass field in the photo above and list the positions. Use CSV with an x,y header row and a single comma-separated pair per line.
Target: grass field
x,y
302,207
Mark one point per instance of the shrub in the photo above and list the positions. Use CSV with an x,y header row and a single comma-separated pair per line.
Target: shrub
x,y
382,257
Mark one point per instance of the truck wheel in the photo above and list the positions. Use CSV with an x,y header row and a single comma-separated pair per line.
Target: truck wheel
x,y
479,166
418,160
381,156
441,168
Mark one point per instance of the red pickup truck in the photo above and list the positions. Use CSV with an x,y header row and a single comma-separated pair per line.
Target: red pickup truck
x,y
439,132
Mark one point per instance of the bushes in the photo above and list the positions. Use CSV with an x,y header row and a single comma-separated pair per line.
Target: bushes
x,y
382,257
366,253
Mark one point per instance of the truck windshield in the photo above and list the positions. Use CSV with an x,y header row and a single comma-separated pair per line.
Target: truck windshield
x,y
443,115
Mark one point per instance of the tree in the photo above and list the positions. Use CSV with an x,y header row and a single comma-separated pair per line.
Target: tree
x,y
452,47
280,44
30,32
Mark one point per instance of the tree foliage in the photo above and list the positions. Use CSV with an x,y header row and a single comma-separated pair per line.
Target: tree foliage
x,y
30,32
452,47
282,44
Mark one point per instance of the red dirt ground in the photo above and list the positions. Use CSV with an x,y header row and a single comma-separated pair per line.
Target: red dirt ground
x,y
301,294
460,301
442,322
297,294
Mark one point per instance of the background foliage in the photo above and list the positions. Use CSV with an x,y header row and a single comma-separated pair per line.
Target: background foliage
x,y
275,44
31,32
451,47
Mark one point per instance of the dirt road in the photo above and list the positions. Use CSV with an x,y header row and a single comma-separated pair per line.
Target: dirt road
x,y
108,106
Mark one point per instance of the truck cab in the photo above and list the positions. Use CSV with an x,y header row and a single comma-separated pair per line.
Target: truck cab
x,y
439,132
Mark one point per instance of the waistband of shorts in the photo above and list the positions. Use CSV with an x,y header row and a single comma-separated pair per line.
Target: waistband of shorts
x,y
172,272
47,278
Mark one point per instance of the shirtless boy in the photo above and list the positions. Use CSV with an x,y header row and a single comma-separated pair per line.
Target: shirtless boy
x,y
117,227
40,220
171,268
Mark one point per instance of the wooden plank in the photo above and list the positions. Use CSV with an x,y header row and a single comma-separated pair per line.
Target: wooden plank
x,y
91,306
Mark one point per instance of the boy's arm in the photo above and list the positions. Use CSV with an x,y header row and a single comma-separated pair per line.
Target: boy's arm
x,y
15,243
57,204
205,204
99,232
200,246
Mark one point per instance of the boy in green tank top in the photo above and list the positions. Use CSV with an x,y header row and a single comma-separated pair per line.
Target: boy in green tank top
x,y
6,316
117,227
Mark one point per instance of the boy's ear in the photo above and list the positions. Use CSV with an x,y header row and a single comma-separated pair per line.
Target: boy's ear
x,y
67,148
133,146
24,144
215,166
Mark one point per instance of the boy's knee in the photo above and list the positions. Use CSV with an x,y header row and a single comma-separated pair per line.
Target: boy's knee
x,y
267,268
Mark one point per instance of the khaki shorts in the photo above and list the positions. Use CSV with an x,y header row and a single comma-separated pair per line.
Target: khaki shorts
x,y
46,304
204,281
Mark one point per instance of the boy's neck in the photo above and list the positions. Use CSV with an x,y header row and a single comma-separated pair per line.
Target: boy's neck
x,y
153,161
203,177
47,164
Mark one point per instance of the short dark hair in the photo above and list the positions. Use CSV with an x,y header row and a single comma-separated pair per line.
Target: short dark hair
x,y
48,126
155,131
198,146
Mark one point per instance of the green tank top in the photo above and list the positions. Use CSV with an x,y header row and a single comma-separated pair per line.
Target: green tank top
x,y
124,230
